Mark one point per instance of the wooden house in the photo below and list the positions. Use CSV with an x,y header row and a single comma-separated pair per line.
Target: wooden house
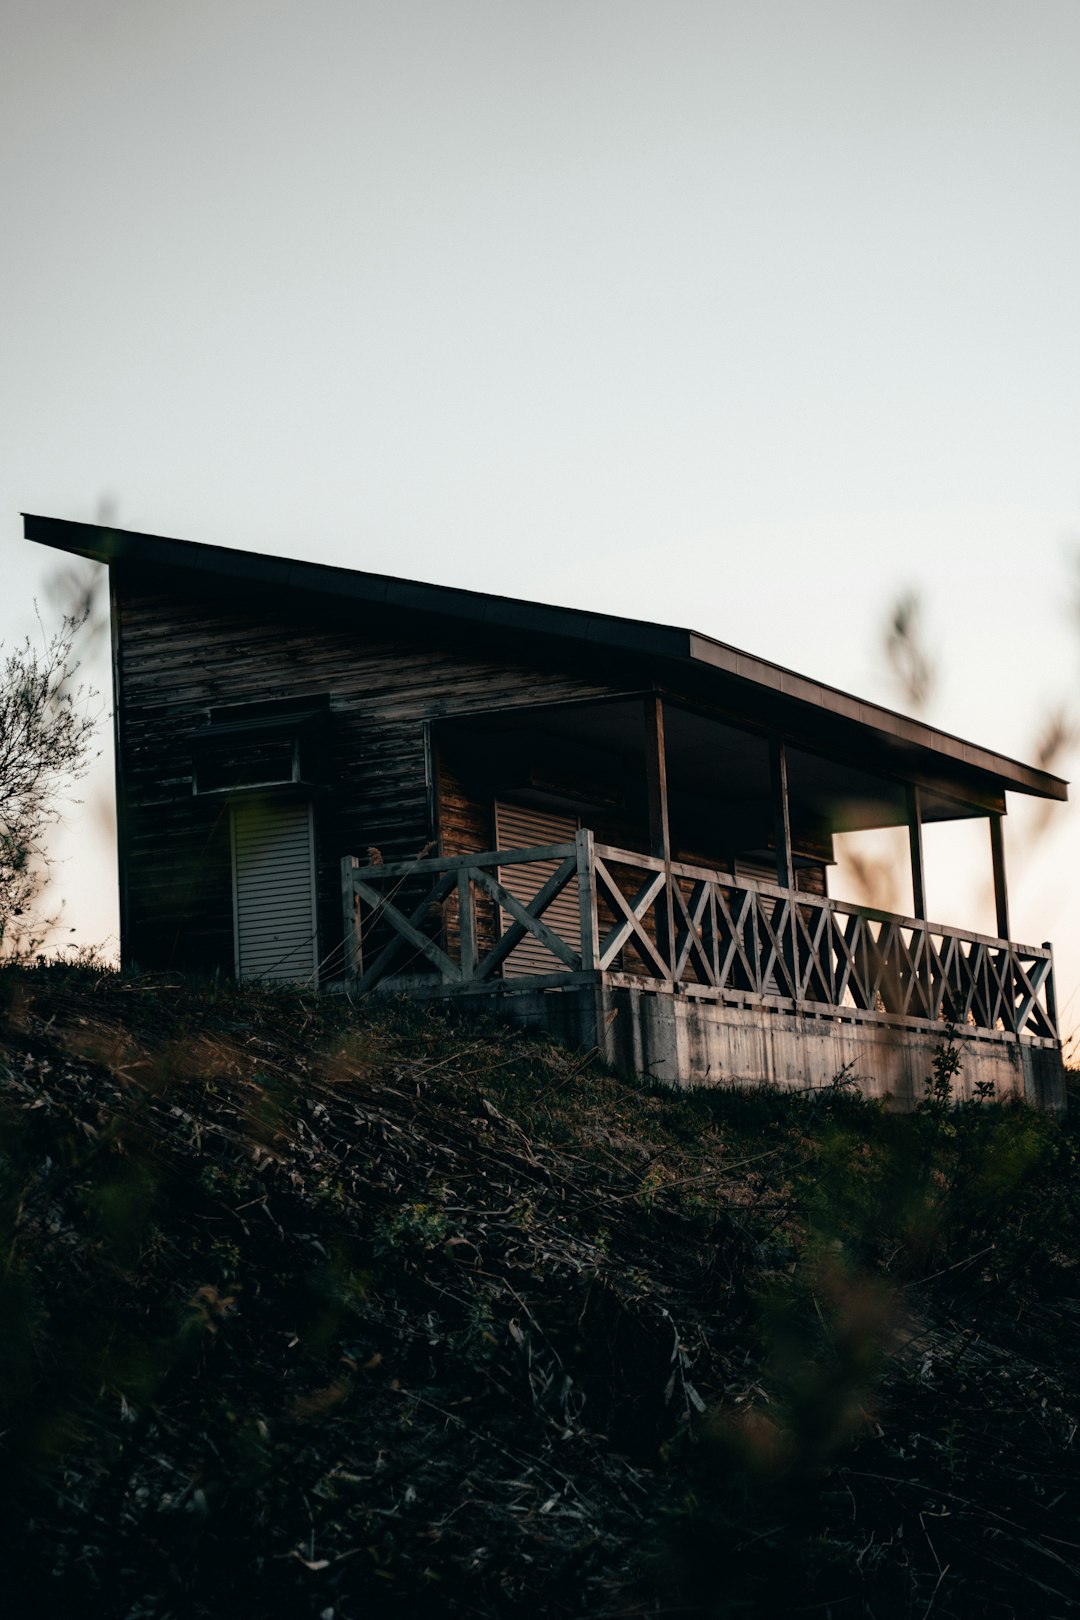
x,y
619,831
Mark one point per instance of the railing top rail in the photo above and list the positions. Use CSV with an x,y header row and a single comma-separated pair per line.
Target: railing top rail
x,y
651,863
454,863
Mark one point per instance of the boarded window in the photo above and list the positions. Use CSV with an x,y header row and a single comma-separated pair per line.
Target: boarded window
x,y
246,745
523,827
243,763
274,890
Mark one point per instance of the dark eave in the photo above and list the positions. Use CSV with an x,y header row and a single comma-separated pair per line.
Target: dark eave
x,y
668,644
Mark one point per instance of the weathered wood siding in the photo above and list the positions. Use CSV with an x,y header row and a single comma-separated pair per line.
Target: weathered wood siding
x,y
182,651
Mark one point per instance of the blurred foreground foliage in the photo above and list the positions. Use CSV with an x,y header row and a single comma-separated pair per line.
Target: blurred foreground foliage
x,y
317,1311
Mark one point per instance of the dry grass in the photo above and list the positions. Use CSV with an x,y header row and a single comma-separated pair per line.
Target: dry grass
x,y
322,1310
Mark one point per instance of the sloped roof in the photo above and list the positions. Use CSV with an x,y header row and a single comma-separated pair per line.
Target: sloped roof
x,y
705,656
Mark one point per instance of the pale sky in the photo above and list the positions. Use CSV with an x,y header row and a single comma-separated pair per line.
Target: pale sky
x,y
747,316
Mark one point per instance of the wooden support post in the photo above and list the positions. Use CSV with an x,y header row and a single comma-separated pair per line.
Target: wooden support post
x,y
353,960
656,772
1001,893
659,824
785,866
918,890
785,871
918,870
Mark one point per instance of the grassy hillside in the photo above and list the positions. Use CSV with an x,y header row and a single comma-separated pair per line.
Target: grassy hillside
x,y
310,1311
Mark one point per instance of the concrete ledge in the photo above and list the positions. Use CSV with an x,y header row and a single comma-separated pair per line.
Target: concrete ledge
x,y
694,1043
689,1042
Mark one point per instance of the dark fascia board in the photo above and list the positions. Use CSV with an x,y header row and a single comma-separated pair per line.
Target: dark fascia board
x,y
656,641
897,733
411,596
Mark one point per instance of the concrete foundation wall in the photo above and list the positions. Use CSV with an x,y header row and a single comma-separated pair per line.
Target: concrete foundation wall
x,y
689,1042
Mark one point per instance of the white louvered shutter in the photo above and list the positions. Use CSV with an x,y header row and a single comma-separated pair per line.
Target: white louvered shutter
x,y
274,891
521,827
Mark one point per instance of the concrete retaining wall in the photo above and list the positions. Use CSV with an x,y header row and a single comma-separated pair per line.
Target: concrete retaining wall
x,y
685,1041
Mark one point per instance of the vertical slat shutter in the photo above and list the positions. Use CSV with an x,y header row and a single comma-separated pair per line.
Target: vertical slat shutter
x,y
274,890
523,827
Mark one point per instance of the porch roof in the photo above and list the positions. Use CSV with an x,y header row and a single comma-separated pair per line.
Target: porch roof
x,y
569,754
702,667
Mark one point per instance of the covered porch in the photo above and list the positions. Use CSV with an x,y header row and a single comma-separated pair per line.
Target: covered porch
x,y
679,918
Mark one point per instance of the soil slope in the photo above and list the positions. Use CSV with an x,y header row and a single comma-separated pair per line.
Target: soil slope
x,y
311,1310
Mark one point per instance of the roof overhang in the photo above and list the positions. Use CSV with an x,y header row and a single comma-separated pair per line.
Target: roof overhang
x,y
703,669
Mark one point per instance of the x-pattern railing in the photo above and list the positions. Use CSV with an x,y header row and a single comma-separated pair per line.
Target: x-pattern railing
x,y
394,905
643,920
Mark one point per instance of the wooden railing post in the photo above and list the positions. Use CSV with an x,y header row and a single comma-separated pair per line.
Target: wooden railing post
x,y
466,923
935,993
586,879
755,943
352,944
830,953
1050,992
